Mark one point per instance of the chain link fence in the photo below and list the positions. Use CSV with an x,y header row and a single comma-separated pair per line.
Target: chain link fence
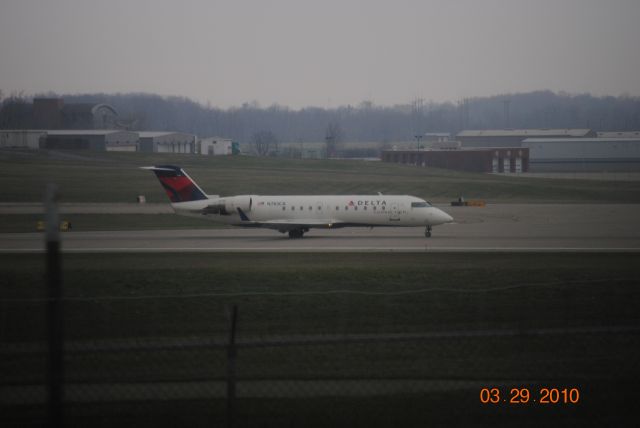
x,y
526,354
376,379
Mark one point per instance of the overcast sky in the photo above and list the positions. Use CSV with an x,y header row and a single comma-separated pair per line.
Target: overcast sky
x,y
324,53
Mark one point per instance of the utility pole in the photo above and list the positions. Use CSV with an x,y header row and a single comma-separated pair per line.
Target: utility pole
x,y
463,105
507,103
329,145
55,320
232,355
418,137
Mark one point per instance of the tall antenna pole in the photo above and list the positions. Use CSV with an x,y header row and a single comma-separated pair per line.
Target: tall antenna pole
x,y
507,103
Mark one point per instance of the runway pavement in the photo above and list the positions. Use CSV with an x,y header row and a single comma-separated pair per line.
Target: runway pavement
x,y
503,227
86,208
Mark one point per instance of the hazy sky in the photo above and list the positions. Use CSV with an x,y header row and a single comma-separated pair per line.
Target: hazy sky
x,y
324,53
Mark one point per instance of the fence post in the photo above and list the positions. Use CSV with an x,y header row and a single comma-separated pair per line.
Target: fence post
x,y
55,366
231,368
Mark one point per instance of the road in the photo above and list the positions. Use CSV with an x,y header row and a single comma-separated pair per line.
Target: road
x,y
501,227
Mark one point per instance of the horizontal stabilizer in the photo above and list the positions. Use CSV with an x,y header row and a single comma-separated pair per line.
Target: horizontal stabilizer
x,y
156,168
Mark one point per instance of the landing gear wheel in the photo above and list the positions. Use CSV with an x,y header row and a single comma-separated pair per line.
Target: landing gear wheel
x,y
427,232
296,233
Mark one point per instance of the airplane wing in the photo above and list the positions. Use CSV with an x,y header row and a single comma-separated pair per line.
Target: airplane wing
x,y
282,225
285,224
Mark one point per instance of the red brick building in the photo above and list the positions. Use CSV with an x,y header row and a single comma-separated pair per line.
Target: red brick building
x,y
483,160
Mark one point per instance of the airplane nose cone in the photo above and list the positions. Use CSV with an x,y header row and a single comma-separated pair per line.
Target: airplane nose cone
x,y
442,217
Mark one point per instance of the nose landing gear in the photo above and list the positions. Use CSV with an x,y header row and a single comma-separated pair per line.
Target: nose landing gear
x,y
427,232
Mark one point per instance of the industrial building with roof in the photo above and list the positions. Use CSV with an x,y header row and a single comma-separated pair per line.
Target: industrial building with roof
x,y
21,138
619,134
583,154
215,146
115,140
96,126
482,160
167,142
53,113
515,137
534,150
90,139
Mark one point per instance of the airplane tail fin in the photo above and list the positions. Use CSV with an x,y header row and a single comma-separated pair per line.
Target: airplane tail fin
x,y
178,185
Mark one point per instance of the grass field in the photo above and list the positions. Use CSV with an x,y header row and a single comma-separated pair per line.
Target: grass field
x,y
143,312
115,177
128,299
417,292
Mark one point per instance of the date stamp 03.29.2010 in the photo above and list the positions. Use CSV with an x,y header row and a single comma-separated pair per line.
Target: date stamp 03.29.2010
x,y
539,395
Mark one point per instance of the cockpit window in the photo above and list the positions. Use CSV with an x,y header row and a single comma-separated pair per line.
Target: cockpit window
x,y
420,204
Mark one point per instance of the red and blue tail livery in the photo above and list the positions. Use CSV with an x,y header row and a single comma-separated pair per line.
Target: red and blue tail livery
x,y
178,185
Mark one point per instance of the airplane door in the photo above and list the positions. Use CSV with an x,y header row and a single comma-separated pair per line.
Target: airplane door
x,y
394,213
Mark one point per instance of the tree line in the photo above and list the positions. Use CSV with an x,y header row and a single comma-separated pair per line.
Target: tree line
x,y
365,122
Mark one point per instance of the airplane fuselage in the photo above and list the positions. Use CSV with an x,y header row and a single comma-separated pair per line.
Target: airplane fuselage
x,y
296,214
341,211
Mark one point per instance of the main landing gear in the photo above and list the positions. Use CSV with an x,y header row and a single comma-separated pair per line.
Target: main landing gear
x,y
427,232
296,233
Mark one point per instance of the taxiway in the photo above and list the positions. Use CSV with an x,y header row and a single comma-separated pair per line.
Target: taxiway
x,y
503,227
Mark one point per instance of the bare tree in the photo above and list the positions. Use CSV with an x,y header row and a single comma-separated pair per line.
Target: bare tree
x,y
333,136
264,142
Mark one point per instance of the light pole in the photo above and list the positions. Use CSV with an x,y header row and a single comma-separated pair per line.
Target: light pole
x,y
418,138
329,145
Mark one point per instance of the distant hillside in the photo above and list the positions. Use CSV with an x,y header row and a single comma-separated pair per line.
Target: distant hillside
x,y
366,121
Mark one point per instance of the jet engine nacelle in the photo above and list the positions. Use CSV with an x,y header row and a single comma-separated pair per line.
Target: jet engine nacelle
x,y
232,204
228,206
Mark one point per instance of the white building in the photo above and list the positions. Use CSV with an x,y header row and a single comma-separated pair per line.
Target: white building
x,y
167,142
215,146
583,154
439,137
90,139
619,134
20,138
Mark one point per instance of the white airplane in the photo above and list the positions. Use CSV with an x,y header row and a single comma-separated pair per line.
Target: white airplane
x,y
297,214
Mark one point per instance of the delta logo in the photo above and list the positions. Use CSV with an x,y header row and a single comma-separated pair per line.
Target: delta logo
x,y
370,203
